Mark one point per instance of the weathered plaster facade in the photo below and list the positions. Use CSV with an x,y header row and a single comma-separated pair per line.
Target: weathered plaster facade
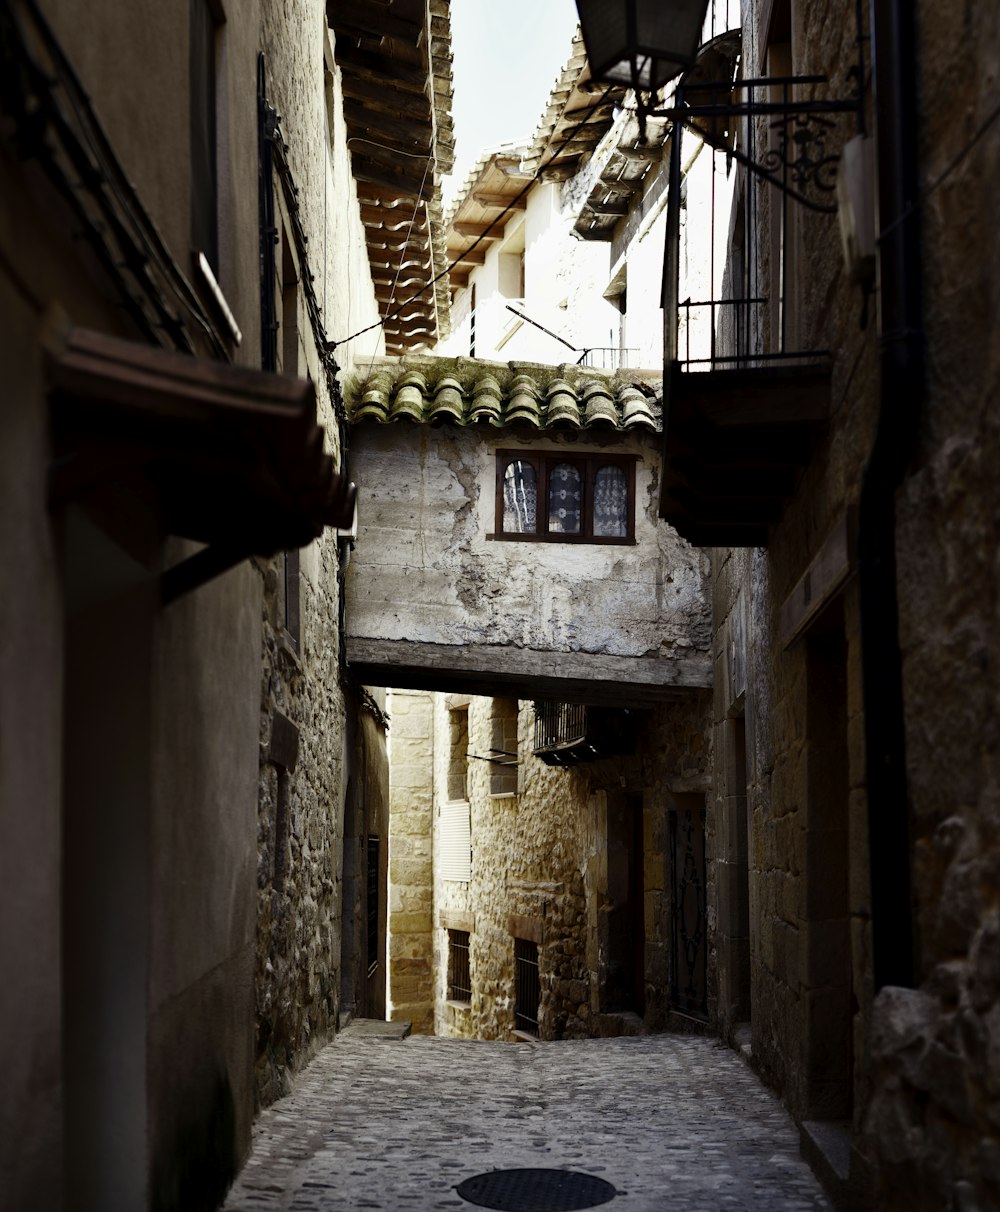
x,y
431,589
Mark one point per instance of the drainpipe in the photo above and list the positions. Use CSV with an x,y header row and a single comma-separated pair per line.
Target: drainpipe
x,y
901,375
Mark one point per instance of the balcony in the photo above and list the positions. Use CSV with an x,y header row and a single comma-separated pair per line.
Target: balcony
x,y
567,734
746,393
738,428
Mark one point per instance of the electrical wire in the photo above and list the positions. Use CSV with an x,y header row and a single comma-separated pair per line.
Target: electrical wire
x,y
391,315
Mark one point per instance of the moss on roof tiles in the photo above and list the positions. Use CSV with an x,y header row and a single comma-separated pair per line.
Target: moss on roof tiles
x,y
466,391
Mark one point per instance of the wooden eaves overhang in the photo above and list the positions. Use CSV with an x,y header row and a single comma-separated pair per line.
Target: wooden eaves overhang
x,y
395,62
225,455
578,116
494,186
589,134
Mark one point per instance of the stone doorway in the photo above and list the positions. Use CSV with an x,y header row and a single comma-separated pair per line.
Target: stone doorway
x,y
689,938
626,975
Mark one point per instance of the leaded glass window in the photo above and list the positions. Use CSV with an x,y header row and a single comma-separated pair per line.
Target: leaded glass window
x,y
610,502
520,496
565,497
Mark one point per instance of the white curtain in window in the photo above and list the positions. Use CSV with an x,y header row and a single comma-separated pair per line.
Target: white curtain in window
x,y
520,497
610,503
564,499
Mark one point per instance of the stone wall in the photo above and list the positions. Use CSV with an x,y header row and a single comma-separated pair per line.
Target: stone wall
x,y
305,699
937,1077
909,1068
560,862
791,840
411,877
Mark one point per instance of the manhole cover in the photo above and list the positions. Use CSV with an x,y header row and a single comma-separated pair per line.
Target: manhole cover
x,y
536,1190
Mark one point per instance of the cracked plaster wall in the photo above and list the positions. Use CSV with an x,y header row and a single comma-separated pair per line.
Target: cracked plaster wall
x,y
425,571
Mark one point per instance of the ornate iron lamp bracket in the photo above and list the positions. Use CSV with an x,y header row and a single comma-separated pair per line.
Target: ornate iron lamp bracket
x,y
802,153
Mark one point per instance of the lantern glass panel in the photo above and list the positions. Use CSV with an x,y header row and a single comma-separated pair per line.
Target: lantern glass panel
x,y
641,43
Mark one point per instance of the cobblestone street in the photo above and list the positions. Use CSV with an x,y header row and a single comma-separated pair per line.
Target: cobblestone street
x,y
673,1122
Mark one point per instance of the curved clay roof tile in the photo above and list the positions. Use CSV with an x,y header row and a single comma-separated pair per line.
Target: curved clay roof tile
x,y
409,400
562,404
523,403
487,401
448,402
635,409
600,403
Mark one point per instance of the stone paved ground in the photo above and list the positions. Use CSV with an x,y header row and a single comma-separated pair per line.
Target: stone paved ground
x,y
674,1122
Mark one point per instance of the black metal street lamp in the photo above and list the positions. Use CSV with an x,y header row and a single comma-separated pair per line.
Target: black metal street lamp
x,y
641,43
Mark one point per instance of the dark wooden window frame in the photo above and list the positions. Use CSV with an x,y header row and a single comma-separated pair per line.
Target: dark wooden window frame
x,y
589,463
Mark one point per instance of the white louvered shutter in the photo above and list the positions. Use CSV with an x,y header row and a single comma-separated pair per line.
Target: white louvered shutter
x,y
455,841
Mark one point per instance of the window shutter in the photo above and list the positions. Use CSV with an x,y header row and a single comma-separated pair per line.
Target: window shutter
x,y
455,837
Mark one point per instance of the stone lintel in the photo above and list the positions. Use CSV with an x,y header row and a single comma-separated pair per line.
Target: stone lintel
x,y
530,928
527,673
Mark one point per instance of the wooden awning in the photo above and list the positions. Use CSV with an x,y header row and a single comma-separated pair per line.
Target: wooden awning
x,y
228,456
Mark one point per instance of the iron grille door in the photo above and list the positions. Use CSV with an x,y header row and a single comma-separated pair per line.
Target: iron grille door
x,y
372,903
527,990
689,949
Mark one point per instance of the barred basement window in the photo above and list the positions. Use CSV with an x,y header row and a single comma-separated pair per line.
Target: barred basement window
x,y
527,990
561,497
459,981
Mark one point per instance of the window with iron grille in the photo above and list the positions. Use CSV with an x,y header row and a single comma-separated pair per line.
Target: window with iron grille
x,y
563,497
527,990
372,905
459,980
503,750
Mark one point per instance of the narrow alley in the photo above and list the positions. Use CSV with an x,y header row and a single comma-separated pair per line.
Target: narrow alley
x,y
669,1120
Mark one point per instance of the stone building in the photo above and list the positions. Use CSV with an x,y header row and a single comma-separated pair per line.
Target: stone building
x,y
193,793
509,546
833,454
559,863
530,234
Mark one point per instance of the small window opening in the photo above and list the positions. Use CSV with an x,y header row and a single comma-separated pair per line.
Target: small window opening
x,y
459,980
527,989
503,748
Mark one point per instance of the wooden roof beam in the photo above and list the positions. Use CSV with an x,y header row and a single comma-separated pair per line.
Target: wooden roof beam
x,y
474,256
356,19
392,72
406,180
403,134
478,230
482,198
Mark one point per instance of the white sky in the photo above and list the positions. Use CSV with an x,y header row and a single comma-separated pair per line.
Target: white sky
x,y
507,56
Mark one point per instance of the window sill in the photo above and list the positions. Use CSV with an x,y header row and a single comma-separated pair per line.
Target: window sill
x,y
453,1005
570,540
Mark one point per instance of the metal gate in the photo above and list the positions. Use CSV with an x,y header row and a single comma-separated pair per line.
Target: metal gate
x,y
689,944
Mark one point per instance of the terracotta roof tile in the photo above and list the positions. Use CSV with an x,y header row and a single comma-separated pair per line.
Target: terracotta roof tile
x,y
466,391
